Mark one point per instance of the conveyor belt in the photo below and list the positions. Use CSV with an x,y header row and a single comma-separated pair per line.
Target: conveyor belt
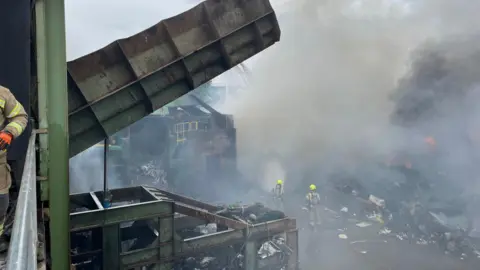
x,y
115,86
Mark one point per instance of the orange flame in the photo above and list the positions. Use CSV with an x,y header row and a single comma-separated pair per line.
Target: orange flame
x,y
430,141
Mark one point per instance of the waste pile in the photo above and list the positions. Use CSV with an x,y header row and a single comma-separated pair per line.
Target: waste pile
x,y
251,214
152,173
256,213
413,208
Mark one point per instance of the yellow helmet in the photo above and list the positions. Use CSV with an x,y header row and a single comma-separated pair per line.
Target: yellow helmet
x,y
313,187
279,182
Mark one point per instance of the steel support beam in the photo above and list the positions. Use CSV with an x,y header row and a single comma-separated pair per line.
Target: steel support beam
x,y
111,247
198,244
57,113
292,242
182,199
42,86
166,228
251,255
116,215
184,222
210,217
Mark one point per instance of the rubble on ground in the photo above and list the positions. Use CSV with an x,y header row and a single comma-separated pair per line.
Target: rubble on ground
x,y
251,214
415,209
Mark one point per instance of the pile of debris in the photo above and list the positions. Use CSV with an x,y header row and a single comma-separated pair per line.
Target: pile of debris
x,y
413,209
253,214
272,253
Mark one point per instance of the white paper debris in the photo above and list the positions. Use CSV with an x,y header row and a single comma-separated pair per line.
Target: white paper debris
x,y
363,224
422,242
369,241
377,201
384,231
342,236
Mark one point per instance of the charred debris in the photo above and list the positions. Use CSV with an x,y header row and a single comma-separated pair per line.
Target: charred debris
x,y
428,192
157,227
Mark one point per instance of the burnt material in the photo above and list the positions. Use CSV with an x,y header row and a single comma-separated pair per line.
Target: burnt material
x,y
150,227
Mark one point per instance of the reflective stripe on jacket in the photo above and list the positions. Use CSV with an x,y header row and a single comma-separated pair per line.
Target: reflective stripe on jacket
x,y
312,198
278,191
13,118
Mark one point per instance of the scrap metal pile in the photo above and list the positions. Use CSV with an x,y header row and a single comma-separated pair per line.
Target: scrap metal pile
x,y
272,253
415,208
201,236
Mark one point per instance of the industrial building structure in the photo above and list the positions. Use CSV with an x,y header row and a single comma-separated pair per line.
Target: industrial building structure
x,y
78,104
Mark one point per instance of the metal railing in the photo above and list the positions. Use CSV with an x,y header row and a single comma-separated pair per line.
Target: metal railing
x,y
22,253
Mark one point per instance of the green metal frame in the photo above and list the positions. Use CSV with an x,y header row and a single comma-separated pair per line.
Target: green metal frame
x,y
52,93
109,221
257,29
191,246
159,209
41,47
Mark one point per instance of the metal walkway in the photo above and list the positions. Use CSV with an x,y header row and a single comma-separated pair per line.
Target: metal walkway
x,y
22,253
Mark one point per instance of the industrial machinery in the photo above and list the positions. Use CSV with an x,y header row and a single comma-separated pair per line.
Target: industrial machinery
x,y
151,228
79,104
187,140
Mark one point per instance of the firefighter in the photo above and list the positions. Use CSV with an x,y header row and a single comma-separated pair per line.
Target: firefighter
x,y
13,119
312,205
278,195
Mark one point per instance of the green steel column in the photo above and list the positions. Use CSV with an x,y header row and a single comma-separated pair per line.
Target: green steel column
x,y
41,47
57,113
251,251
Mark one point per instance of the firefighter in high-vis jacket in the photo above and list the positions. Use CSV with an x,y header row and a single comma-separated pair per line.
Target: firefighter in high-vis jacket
x,y
278,195
13,120
312,205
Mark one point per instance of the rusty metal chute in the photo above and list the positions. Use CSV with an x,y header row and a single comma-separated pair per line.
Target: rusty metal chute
x,y
115,86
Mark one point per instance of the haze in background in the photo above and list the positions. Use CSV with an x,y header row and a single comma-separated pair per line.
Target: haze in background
x,y
91,25
323,98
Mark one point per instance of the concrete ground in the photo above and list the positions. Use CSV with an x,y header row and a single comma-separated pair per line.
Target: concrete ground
x,y
365,249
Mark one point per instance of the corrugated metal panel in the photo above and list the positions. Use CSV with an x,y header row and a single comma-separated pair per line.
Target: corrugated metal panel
x,y
113,87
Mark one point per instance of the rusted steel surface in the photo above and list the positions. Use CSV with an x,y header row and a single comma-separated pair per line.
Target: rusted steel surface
x,y
113,87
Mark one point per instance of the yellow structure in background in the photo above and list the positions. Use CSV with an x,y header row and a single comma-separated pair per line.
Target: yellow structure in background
x,y
182,128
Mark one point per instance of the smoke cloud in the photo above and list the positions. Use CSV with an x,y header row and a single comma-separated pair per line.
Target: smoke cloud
x,y
355,81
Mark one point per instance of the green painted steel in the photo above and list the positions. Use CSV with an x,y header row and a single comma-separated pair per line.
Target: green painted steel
x,y
188,247
111,247
159,214
57,101
116,215
120,84
292,242
251,254
41,54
